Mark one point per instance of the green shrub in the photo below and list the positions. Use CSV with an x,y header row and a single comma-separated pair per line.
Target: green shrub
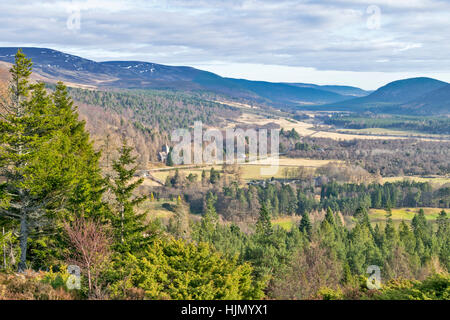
x,y
179,270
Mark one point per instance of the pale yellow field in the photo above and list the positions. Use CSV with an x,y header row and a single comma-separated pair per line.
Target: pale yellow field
x,y
250,170
398,133
156,210
286,222
305,129
438,180
295,162
403,214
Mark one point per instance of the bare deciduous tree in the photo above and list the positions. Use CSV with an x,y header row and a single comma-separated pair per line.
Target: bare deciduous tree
x,y
90,249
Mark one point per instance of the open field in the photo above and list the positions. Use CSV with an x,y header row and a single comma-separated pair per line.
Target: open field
x,y
295,162
394,133
161,209
306,129
286,223
250,170
431,214
436,180
377,216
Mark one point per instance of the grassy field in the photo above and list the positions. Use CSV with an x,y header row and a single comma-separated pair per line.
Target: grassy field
x,y
250,170
404,214
304,128
161,209
438,180
392,132
286,222
377,216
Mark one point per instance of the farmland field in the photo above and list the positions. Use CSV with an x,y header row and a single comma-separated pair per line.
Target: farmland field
x,y
306,129
436,180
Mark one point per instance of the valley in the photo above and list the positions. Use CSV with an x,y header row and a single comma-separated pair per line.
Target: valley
x,y
361,176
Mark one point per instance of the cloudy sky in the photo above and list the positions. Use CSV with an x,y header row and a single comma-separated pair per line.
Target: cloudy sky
x,y
366,43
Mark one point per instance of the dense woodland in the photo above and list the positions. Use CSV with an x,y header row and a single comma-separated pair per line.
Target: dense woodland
x,y
396,157
145,117
298,196
434,125
59,207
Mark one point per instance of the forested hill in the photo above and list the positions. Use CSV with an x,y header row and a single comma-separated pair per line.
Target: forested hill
x,y
434,102
414,96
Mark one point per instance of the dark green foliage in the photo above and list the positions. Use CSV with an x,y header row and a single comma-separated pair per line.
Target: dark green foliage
x,y
128,225
435,125
180,270
48,163
305,224
264,225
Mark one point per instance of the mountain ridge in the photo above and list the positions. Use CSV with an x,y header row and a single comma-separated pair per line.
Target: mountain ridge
x,y
51,63
415,95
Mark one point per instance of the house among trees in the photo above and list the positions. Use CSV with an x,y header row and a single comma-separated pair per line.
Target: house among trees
x,y
142,173
164,153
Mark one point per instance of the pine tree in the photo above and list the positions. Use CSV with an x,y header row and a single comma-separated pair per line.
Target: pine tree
x,y
44,152
422,229
128,225
210,218
329,216
81,160
443,238
169,160
20,139
179,224
362,216
264,225
305,224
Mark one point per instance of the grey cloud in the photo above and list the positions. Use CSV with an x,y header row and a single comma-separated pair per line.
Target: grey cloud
x,y
327,35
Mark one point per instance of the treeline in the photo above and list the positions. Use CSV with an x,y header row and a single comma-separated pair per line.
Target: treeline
x,y
433,125
145,117
158,111
242,203
396,157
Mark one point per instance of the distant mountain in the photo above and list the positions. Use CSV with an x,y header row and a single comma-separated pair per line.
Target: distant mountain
x,y
287,93
435,102
55,65
342,90
389,97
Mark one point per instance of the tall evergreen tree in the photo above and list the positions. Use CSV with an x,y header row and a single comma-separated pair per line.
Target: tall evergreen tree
x,y
264,225
210,218
128,225
81,159
41,154
443,239
305,224
21,136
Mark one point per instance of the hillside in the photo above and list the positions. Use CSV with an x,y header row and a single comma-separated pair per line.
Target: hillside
x,y
288,94
348,91
389,97
434,102
403,96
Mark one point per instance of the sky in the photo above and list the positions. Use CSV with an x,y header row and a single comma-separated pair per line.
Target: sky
x,y
365,43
